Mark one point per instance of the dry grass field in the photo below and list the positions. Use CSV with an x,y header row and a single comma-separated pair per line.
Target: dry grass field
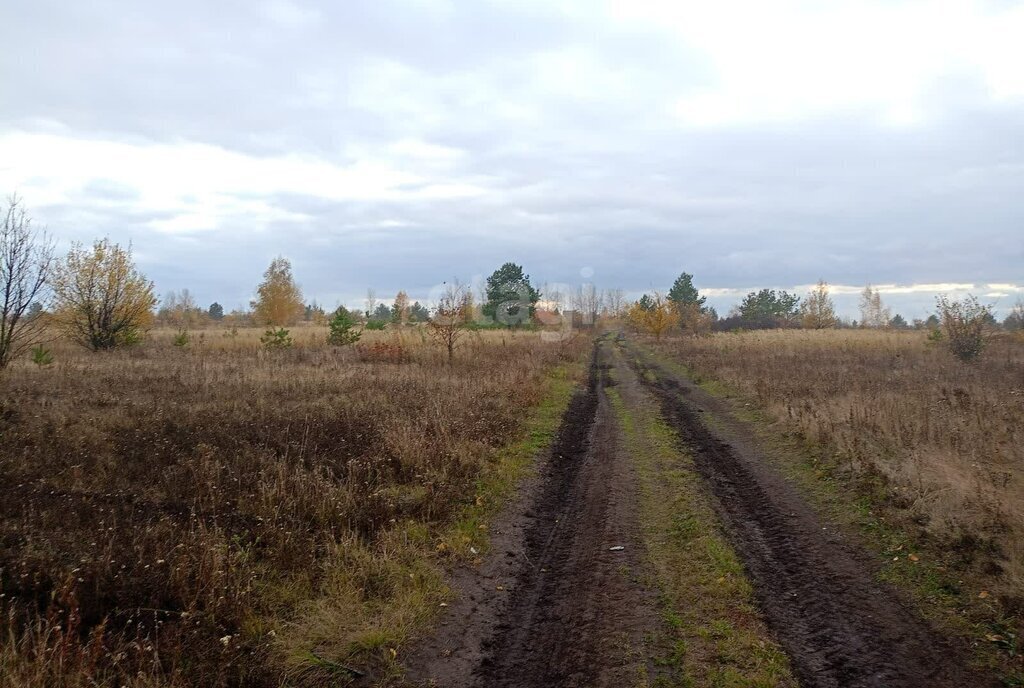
x,y
220,514
941,440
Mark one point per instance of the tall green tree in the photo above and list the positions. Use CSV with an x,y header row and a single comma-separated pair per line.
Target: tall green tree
x,y
683,293
767,308
511,299
418,312
689,304
216,311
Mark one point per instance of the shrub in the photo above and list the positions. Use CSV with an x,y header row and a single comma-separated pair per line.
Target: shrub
x,y
277,339
376,325
41,356
102,301
383,352
964,325
182,338
343,330
653,315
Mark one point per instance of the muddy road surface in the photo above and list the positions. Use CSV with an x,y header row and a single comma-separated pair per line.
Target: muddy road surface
x,y
566,599
839,625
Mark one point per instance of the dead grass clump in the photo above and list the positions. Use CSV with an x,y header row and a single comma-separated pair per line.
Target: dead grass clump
x,y
383,352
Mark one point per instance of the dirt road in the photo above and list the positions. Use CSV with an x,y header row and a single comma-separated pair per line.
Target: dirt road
x,y
568,597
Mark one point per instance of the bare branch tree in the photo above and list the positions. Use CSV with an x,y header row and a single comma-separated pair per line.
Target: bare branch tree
x,y
452,314
26,256
371,302
554,297
873,313
614,302
587,302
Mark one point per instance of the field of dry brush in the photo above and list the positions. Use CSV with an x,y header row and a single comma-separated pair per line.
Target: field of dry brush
x,y
220,514
943,441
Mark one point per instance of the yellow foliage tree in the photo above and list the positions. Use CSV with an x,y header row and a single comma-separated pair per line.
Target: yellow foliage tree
x,y
400,310
279,300
653,315
817,312
100,299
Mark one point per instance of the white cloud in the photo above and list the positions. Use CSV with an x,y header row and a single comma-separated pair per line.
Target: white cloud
x,y
789,60
1009,288
290,14
202,184
891,289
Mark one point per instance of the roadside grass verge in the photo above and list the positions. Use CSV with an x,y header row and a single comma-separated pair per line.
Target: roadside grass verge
x,y
510,465
713,635
944,580
411,563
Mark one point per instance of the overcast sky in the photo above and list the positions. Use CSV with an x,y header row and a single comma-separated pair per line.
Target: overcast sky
x,y
394,144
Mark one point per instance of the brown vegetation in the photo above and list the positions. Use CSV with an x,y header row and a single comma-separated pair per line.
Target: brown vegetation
x,y
222,514
452,316
944,440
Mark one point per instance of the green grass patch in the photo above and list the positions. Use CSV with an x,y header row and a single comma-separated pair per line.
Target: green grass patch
x,y
713,634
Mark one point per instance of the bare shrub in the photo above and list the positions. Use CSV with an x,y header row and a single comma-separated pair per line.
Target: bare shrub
x,y
26,255
452,316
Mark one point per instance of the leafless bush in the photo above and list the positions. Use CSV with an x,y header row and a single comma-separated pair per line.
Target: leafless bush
x,y
26,255
451,317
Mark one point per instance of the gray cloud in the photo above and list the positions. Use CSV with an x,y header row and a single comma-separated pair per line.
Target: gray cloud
x,y
396,144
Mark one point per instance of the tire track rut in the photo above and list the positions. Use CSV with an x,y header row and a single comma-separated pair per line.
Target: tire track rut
x,y
577,616
840,626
